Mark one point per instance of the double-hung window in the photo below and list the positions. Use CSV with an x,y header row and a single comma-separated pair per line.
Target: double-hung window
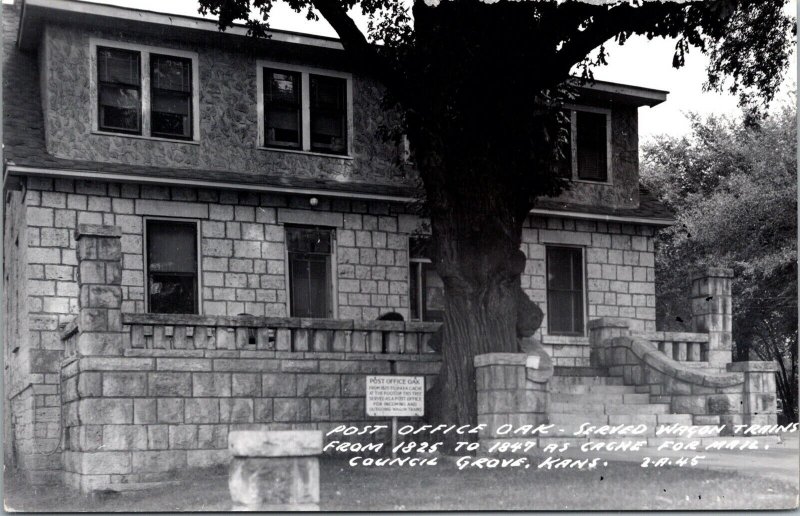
x,y
172,278
304,109
310,286
565,298
145,91
587,155
426,287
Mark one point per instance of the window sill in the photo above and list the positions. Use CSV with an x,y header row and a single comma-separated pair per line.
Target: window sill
x,y
589,181
149,138
306,152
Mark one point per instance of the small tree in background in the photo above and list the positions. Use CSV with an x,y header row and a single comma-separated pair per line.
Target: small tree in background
x,y
480,86
733,186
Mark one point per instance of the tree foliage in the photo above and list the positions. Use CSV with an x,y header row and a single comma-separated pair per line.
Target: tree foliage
x,y
734,190
479,86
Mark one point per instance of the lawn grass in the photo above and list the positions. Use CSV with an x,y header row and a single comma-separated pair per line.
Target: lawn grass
x,y
618,486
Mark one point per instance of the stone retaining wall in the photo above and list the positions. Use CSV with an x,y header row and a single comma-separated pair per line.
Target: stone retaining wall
x,y
132,419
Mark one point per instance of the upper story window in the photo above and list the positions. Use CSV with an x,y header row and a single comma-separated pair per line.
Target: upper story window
x,y
588,152
304,109
145,91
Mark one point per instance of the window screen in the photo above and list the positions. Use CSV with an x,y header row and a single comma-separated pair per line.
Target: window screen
x,y
282,113
592,146
565,291
310,271
328,114
119,90
171,96
172,267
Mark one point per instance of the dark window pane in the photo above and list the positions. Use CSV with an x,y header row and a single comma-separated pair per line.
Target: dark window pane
x,y
118,90
171,73
171,97
328,114
414,291
565,299
119,108
172,266
309,240
118,66
172,294
592,146
282,114
309,271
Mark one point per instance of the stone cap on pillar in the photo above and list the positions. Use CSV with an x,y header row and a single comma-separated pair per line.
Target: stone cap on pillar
x,y
275,443
608,322
97,230
712,272
754,366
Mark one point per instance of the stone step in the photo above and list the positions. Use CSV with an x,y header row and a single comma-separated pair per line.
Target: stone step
x,y
600,397
592,389
585,380
590,409
580,371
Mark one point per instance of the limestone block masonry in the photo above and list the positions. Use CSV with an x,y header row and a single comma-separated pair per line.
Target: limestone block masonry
x,y
275,471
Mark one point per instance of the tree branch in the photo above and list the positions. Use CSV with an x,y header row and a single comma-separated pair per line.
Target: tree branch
x,y
651,17
355,43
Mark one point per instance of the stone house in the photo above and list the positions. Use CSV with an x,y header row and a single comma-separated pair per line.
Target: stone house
x,y
202,231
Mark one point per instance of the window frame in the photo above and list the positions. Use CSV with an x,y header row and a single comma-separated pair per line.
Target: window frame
x,y
421,262
146,265
334,286
573,131
305,107
145,88
584,294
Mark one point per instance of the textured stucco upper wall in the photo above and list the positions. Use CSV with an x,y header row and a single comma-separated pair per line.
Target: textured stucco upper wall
x,y
228,116
622,190
229,125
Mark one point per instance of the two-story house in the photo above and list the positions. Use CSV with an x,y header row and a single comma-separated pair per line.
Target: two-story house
x,y
201,229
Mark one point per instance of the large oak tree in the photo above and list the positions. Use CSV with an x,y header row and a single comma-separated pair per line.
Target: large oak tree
x,y
479,86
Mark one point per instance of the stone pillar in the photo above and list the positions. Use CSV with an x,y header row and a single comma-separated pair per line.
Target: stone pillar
x,y
600,332
99,252
712,313
275,471
511,391
759,398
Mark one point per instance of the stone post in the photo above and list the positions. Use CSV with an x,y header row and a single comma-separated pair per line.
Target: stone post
x,y
275,470
510,392
712,313
600,332
99,252
759,406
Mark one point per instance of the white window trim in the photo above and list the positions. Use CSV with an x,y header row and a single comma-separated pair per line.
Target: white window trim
x,y
573,108
305,106
144,52
585,287
333,269
200,298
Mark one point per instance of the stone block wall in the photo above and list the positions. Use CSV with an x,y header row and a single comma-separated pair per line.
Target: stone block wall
x,y
509,392
619,276
134,419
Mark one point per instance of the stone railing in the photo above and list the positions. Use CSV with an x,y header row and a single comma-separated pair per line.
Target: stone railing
x,y
680,346
743,394
167,331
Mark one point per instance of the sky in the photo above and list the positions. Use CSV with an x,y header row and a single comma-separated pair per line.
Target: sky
x,y
640,62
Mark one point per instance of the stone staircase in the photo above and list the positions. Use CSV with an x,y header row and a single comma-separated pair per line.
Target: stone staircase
x,y
581,395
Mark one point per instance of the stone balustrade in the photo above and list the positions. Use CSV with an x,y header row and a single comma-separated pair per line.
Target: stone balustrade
x,y
681,346
743,394
193,332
